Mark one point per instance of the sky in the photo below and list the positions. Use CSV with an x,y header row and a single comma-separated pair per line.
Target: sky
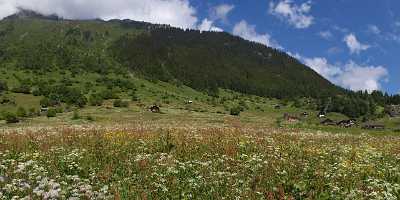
x,y
354,44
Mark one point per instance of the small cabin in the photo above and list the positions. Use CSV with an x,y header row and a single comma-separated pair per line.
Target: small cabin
x,y
155,109
321,114
44,109
189,102
305,114
347,123
277,107
374,126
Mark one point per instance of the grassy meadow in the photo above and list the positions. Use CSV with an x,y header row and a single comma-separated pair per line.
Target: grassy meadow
x,y
191,151
145,161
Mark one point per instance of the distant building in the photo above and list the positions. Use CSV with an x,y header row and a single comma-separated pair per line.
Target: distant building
x,y
347,123
374,126
305,114
322,114
155,109
44,110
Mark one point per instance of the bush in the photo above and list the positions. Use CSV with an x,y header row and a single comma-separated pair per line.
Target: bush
x,y
109,94
134,96
95,100
10,118
3,86
51,113
24,89
121,104
59,109
243,105
236,110
21,112
76,116
90,118
47,102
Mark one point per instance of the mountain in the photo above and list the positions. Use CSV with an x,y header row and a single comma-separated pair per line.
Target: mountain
x,y
201,60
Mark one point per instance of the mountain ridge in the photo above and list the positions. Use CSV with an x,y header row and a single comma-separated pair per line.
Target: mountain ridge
x,y
204,61
169,44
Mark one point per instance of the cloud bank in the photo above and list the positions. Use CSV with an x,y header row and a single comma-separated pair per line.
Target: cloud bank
x,y
208,25
248,32
221,12
177,13
351,75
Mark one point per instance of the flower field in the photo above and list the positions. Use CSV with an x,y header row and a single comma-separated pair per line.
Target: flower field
x,y
196,163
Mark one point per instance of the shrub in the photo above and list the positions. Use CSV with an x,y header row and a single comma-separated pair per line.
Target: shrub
x,y
236,110
76,116
134,96
243,105
59,109
90,118
36,92
95,100
120,104
51,113
109,94
10,118
24,89
21,112
48,102
3,86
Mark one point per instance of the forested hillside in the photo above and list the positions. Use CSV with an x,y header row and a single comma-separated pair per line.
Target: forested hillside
x,y
204,61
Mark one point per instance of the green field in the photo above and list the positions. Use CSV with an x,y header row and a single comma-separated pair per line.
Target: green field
x,y
193,156
192,151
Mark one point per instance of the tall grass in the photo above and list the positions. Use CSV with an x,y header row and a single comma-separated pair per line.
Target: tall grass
x,y
197,163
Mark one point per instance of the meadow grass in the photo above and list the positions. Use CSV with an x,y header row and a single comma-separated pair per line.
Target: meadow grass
x,y
143,161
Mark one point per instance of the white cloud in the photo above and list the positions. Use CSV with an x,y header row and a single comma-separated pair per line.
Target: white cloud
x,y
354,45
374,29
221,12
177,13
322,67
327,35
207,25
248,32
352,75
7,8
296,15
358,77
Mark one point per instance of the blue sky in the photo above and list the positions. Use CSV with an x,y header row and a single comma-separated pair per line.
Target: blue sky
x,y
353,43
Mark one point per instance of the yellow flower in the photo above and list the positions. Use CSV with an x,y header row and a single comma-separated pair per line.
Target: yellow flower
x,y
118,138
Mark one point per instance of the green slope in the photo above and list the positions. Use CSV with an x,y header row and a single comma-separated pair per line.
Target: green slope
x,y
202,61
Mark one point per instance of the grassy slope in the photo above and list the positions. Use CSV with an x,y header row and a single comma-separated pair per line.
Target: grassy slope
x,y
261,112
